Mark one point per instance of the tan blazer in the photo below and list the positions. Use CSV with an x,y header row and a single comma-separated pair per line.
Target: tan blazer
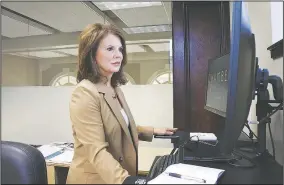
x,y
105,149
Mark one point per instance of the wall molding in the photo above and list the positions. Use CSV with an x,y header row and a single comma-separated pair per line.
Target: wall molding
x,y
276,49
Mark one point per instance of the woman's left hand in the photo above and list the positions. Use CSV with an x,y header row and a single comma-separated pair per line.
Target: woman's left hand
x,y
164,131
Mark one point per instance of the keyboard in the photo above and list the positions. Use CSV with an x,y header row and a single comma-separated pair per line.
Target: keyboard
x,y
162,162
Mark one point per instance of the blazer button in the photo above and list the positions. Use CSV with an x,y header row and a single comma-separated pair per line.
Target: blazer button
x,y
120,159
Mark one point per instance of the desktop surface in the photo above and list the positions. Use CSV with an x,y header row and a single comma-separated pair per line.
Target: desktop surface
x,y
266,171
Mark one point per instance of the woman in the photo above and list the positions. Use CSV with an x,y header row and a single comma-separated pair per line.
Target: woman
x,y
106,137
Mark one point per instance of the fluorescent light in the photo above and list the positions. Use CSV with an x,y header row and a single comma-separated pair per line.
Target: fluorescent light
x,y
71,51
41,54
148,29
148,41
124,5
61,47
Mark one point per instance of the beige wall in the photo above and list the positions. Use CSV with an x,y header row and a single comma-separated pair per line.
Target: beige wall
x,y
19,71
47,116
260,17
151,69
141,71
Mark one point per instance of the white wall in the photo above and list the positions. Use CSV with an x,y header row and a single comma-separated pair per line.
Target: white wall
x,y
151,105
261,25
277,21
40,115
260,15
36,115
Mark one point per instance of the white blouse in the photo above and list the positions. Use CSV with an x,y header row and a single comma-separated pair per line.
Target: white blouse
x,y
125,116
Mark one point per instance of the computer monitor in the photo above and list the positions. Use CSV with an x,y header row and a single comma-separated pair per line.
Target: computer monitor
x,y
217,85
240,84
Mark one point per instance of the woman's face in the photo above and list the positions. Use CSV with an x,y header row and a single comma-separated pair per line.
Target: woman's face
x,y
109,55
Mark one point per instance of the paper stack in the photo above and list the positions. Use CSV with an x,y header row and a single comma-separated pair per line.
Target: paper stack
x,y
188,174
57,153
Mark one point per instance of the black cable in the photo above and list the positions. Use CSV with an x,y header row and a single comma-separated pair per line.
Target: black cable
x,y
188,140
253,164
253,144
268,119
264,120
247,125
247,136
272,141
235,155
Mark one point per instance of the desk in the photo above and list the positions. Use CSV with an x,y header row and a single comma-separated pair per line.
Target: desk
x,y
267,170
57,172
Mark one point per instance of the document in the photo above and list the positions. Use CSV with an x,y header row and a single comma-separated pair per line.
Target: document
x,y
48,150
64,158
188,174
57,152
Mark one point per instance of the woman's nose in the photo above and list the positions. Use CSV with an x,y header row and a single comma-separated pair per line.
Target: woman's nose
x,y
118,54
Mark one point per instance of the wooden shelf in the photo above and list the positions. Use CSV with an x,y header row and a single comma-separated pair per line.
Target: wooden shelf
x,y
276,49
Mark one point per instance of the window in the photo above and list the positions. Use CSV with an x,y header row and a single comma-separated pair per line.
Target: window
x,y
70,80
163,78
65,80
276,21
131,81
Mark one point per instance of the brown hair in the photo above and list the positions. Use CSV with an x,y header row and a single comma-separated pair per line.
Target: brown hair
x,y
90,39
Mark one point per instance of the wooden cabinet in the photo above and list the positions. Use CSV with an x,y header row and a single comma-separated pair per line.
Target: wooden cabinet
x,y
201,30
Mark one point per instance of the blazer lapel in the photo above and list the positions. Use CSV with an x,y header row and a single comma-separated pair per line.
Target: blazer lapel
x,y
129,115
110,98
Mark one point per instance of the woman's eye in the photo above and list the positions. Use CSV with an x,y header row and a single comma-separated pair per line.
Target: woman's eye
x,y
109,49
120,49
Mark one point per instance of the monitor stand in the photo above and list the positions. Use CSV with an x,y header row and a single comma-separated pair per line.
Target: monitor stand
x,y
264,109
220,158
236,159
207,154
263,112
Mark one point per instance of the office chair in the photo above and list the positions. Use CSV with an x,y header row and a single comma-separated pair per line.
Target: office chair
x,y
22,164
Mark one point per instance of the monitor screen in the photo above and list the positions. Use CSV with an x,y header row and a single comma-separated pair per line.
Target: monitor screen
x,y
217,85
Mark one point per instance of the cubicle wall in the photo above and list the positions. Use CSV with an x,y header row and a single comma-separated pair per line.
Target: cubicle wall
x,y
40,115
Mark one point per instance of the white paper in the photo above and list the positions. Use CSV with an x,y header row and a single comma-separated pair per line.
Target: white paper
x,y
203,136
211,175
47,150
165,179
65,157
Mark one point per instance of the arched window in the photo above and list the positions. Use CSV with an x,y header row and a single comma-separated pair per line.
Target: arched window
x,y
69,79
66,79
131,81
165,77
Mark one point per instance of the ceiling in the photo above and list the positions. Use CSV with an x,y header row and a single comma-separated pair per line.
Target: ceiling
x,y
43,30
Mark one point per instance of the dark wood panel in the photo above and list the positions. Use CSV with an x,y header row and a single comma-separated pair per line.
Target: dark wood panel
x,y
276,50
205,30
180,67
225,24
